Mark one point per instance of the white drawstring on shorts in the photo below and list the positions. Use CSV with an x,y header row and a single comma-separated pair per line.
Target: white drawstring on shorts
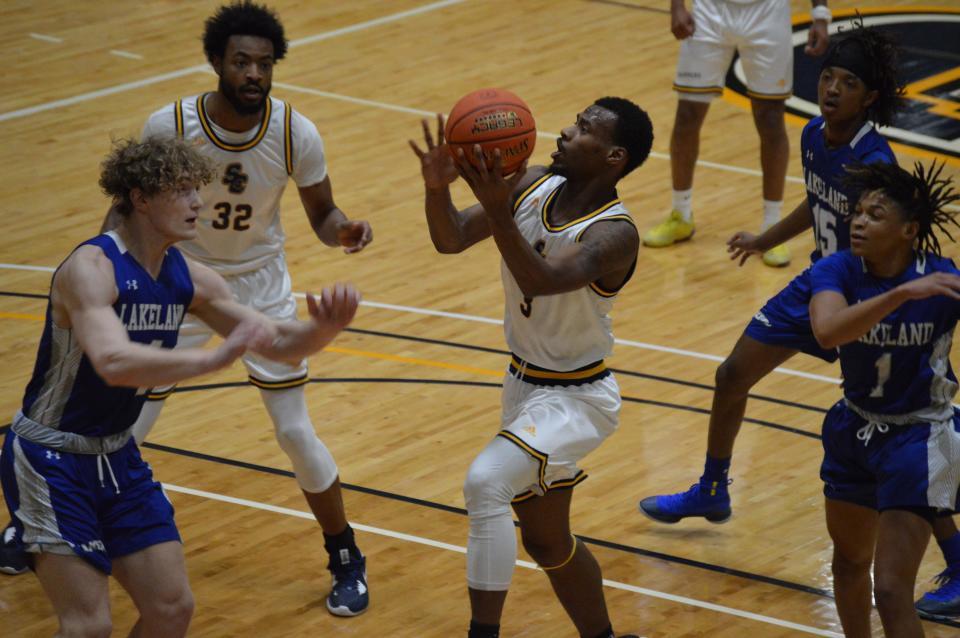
x,y
866,432
101,461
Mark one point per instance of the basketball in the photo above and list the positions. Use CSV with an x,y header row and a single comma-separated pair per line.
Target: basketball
x,y
492,118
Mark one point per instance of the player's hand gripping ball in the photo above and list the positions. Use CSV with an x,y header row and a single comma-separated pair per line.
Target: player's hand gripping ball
x,y
492,118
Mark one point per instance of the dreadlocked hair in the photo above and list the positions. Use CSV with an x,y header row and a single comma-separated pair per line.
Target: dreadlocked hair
x,y
884,53
923,196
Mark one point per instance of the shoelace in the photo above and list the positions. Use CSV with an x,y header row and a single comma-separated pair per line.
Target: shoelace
x,y
948,583
101,461
866,432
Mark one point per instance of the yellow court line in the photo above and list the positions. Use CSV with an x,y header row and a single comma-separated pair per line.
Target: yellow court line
x,y
350,351
17,315
421,362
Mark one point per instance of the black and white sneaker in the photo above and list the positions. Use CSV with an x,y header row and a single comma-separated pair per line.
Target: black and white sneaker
x,y
13,560
349,595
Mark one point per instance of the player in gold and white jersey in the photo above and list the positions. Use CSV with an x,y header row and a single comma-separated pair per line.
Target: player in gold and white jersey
x,y
258,144
568,246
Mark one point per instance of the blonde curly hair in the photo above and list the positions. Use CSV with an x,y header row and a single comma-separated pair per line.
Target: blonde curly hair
x,y
152,166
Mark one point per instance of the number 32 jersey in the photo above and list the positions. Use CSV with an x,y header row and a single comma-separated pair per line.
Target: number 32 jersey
x,y
901,366
239,227
831,203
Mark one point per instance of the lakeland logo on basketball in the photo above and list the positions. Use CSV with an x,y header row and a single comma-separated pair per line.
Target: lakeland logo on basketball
x,y
498,120
929,66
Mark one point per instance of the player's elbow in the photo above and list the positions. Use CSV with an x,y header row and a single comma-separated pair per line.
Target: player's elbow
x,y
826,338
111,368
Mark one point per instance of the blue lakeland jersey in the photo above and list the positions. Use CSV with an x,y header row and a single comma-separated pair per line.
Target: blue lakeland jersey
x,y
830,201
65,392
899,372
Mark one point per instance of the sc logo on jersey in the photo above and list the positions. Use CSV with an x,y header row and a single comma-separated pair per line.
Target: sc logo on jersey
x,y
929,67
235,178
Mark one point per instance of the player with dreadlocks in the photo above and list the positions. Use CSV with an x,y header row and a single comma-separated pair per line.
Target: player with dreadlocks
x,y
858,87
891,462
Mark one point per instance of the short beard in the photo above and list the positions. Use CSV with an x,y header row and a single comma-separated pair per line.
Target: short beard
x,y
557,170
237,103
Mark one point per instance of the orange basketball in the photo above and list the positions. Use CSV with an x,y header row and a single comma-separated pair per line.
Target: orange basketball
x,y
492,118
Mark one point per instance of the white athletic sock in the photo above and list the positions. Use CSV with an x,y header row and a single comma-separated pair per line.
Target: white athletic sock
x,y
683,202
771,213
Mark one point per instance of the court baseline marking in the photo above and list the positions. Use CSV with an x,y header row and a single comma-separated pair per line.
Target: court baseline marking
x,y
203,68
136,84
499,322
410,538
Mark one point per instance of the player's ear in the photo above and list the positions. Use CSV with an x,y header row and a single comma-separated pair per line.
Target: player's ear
x,y
617,155
870,98
216,62
910,230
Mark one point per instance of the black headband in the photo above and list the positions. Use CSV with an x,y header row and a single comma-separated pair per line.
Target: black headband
x,y
852,55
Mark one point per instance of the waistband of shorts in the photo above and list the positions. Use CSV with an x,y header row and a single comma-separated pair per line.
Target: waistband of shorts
x,y
68,441
931,414
531,373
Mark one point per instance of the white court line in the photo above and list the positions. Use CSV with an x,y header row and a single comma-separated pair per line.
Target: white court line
x,y
126,54
46,38
499,322
653,593
128,86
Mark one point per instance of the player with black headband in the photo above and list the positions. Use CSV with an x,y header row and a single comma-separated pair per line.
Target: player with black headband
x,y
857,83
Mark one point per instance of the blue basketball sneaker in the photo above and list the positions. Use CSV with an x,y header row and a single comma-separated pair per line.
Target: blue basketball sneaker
x,y
709,500
943,603
349,595
13,560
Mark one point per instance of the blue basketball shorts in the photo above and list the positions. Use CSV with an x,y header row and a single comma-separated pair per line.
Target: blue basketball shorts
x,y
99,507
785,320
893,466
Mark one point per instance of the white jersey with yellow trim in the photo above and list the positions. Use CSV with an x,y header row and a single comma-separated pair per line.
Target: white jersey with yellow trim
x,y
239,226
566,331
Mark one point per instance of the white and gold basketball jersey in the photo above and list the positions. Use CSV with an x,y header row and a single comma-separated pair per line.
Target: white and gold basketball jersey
x,y
239,226
569,330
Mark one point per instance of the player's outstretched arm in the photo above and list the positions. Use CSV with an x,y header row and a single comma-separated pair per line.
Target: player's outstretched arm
x,y
606,248
82,299
835,322
451,230
329,223
744,244
279,340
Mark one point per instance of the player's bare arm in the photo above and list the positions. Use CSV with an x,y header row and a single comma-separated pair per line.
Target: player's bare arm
x,y
452,230
744,244
288,341
681,20
82,299
329,223
606,249
835,322
817,37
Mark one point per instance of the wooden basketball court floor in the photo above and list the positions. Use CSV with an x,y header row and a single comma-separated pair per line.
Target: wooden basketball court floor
x,y
410,393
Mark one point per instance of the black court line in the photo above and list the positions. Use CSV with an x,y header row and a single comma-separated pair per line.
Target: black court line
x,y
459,510
639,551
490,384
465,346
631,373
28,295
630,5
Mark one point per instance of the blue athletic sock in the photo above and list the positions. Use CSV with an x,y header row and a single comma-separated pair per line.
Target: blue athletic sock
x,y
479,630
715,471
951,550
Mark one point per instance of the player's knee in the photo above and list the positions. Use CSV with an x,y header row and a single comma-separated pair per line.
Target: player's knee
x,y
171,610
768,117
850,564
299,436
547,549
733,376
891,593
86,625
484,492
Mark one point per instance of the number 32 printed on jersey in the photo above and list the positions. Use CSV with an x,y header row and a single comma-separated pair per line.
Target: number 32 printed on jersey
x,y
233,215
